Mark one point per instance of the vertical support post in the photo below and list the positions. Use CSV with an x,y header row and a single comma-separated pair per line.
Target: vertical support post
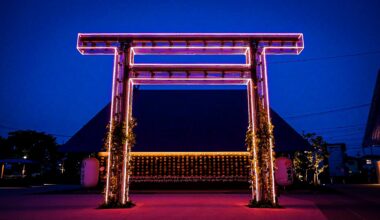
x,y
251,121
254,168
263,139
115,184
127,148
266,106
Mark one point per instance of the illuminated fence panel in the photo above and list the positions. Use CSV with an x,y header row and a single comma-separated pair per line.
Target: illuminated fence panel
x,y
190,167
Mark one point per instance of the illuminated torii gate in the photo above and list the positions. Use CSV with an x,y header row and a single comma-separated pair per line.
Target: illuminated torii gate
x,y
252,73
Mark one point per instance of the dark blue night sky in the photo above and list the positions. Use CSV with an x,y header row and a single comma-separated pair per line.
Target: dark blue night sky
x,y
190,120
47,85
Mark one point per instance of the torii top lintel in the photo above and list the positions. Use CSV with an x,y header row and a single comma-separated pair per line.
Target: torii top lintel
x,y
95,43
248,44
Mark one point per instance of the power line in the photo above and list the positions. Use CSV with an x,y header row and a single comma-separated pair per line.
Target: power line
x,y
328,111
340,127
329,57
354,148
353,143
347,139
346,135
359,135
337,132
346,130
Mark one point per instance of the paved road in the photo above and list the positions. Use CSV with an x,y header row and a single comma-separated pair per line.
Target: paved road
x,y
348,202
200,206
345,202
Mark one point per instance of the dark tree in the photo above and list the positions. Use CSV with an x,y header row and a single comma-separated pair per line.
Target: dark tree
x,y
5,150
311,162
36,146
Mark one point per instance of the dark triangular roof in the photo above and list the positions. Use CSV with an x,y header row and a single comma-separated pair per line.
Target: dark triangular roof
x,y
372,131
90,137
286,138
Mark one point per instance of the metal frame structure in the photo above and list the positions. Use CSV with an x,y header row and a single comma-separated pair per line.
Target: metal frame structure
x,y
253,73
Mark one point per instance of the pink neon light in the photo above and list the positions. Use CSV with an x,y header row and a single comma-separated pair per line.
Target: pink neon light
x,y
269,119
190,66
111,124
200,79
192,81
193,50
252,112
250,119
298,50
131,108
194,35
126,153
82,50
190,49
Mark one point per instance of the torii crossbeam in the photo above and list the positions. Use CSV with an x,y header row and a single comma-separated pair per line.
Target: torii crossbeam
x,y
252,73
